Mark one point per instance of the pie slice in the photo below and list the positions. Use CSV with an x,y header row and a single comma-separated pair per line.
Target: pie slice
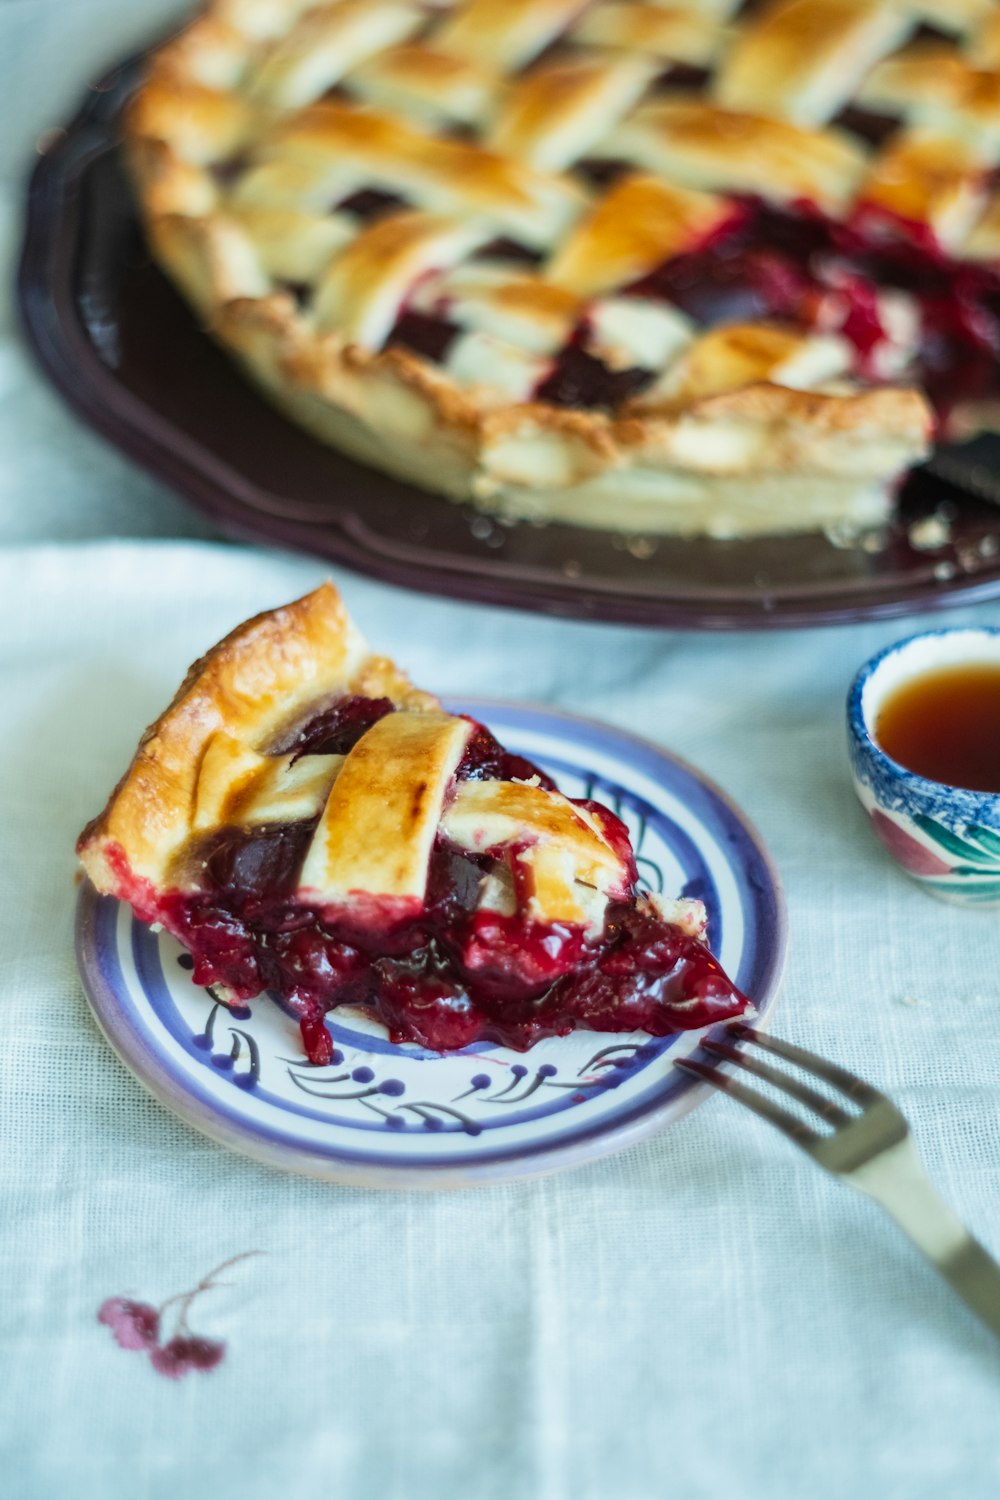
x,y
307,822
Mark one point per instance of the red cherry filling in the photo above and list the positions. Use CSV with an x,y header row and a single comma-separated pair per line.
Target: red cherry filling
x,y
452,973
370,204
425,334
455,975
485,759
460,980
581,379
795,265
338,728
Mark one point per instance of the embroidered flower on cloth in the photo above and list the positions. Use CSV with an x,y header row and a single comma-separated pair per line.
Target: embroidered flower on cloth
x,y
139,1325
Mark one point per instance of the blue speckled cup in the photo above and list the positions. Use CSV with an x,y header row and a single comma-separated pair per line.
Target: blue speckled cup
x,y
948,839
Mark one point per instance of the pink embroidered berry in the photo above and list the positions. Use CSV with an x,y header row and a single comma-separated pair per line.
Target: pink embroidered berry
x,y
169,1361
135,1325
203,1354
176,1358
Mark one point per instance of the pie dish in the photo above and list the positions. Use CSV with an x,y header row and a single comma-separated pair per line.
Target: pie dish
x,y
692,269
306,821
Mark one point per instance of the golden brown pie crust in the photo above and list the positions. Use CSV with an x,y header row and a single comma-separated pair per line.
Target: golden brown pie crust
x,y
262,114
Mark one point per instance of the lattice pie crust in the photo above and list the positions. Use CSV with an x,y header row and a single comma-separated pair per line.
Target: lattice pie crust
x,y
307,822
664,267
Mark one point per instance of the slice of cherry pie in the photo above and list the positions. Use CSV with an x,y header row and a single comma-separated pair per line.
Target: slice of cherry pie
x,y
698,266
305,821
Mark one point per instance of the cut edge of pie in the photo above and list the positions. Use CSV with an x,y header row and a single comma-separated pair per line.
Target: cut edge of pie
x,y
259,128
305,822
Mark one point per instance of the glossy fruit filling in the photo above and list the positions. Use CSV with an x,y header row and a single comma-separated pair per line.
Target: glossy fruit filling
x,y
797,266
452,974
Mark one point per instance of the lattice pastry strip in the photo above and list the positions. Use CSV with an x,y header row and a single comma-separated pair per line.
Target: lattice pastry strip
x,y
741,354
554,114
424,84
936,87
291,245
503,37
492,371
982,46
961,17
492,297
571,868
439,174
324,46
638,224
308,182
924,177
380,821
260,20
663,34
627,333
378,809
364,288
238,786
689,141
802,60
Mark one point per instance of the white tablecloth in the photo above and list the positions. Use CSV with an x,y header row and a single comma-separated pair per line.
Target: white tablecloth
x,y
704,1317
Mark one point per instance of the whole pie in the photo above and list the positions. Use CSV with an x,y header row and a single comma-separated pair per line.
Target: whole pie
x,y
687,266
308,823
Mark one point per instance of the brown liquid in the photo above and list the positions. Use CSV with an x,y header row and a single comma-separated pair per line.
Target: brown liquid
x,y
945,725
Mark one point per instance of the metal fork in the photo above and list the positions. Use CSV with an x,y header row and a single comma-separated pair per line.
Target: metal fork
x,y
872,1151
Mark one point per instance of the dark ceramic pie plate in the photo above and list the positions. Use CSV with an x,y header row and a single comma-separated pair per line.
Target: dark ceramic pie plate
x,y
120,345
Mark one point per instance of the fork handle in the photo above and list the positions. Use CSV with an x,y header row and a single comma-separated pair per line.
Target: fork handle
x,y
896,1179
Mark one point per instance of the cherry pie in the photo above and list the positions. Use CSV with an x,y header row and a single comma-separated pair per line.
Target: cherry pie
x,y
305,821
688,266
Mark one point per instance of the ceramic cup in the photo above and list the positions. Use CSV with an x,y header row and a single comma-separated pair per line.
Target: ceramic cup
x,y
948,839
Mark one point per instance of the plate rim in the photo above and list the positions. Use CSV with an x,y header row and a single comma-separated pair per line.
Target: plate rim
x,y
148,1068
53,331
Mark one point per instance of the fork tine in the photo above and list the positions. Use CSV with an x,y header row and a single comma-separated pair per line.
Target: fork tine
x,y
850,1083
800,1091
785,1121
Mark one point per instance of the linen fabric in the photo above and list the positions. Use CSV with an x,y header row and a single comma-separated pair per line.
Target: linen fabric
x,y
702,1317
705,1315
